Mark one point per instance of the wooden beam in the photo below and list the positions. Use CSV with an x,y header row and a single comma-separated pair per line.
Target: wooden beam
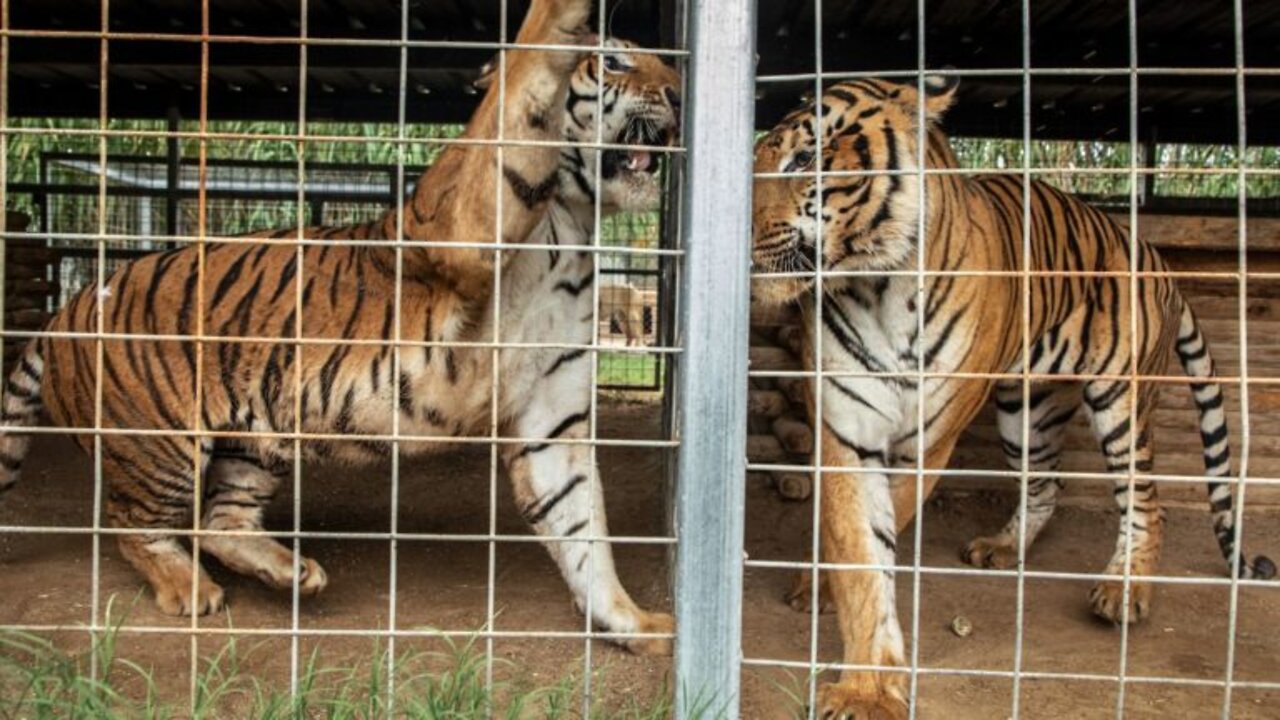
x,y
1201,232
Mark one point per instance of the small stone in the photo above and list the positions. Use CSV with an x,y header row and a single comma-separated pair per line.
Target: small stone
x,y
961,626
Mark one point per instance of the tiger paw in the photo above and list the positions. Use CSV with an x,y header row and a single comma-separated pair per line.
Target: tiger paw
x,y
656,623
1107,599
279,574
314,578
800,596
847,701
311,578
177,598
997,552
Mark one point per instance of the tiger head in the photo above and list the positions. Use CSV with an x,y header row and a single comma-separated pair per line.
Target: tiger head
x,y
640,95
868,215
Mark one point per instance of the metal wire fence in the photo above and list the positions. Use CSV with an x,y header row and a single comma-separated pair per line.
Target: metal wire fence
x,y
152,197
423,551
178,209
866,366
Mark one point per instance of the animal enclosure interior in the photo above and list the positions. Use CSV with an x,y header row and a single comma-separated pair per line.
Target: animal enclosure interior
x,y
139,131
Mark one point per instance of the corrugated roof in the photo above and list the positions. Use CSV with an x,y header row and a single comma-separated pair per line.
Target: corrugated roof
x,y
260,80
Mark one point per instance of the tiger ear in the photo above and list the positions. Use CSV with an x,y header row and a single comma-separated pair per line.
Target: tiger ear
x,y
939,93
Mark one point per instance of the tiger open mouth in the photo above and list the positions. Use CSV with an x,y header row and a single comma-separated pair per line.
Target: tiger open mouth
x,y
640,130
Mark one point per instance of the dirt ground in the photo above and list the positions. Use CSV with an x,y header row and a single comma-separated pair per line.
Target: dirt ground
x,y
45,579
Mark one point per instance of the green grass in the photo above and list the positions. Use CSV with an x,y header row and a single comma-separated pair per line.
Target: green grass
x,y
41,681
629,369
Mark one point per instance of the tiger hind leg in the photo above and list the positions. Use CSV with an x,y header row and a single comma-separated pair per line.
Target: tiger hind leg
x,y
1126,442
150,488
237,490
1049,407
169,569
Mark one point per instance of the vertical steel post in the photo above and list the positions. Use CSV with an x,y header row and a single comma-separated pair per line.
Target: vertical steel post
x,y
714,286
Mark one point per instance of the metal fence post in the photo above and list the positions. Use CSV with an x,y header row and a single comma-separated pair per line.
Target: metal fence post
x,y
714,286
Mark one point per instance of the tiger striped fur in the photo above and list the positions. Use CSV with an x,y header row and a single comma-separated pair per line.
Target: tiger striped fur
x,y
250,382
1079,327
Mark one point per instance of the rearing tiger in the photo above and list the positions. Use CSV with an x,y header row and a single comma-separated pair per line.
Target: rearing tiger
x,y
250,383
1079,326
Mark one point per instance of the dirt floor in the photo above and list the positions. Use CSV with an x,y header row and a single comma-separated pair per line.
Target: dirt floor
x,y
45,579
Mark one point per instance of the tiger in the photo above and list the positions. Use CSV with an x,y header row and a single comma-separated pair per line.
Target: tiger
x,y
623,303
1079,327
349,392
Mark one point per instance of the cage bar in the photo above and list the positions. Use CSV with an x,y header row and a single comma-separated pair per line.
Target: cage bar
x,y
713,370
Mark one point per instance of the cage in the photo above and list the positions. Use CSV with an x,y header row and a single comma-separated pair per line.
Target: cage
x,y
130,131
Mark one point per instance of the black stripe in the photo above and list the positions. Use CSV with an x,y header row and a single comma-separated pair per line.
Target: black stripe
x,y
290,268
15,390
228,280
564,358
531,196
889,541
862,452
1214,436
550,505
576,289
557,432
1214,402
28,369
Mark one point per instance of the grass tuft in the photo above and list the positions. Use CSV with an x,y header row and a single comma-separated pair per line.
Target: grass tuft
x,y
40,680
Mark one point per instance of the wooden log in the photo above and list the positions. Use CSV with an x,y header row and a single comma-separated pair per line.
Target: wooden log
x,y
26,319
26,253
771,357
791,337
767,404
793,485
1228,308
25,273
794,389
762,316
17,287
765,449
21,302
1203,231
796,437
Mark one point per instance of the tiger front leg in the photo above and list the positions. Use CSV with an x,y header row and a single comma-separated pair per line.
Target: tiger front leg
x,y
905,492
558,491
238,490
858,528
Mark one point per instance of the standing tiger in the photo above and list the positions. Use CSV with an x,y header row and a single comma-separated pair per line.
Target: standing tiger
x,y
1080,325
623,303
251,383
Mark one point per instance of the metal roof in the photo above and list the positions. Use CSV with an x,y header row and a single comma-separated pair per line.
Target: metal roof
x,y
156,65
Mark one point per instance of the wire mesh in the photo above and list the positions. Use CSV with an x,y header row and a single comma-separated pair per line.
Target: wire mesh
x,y
247,195
1008,639
425,555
